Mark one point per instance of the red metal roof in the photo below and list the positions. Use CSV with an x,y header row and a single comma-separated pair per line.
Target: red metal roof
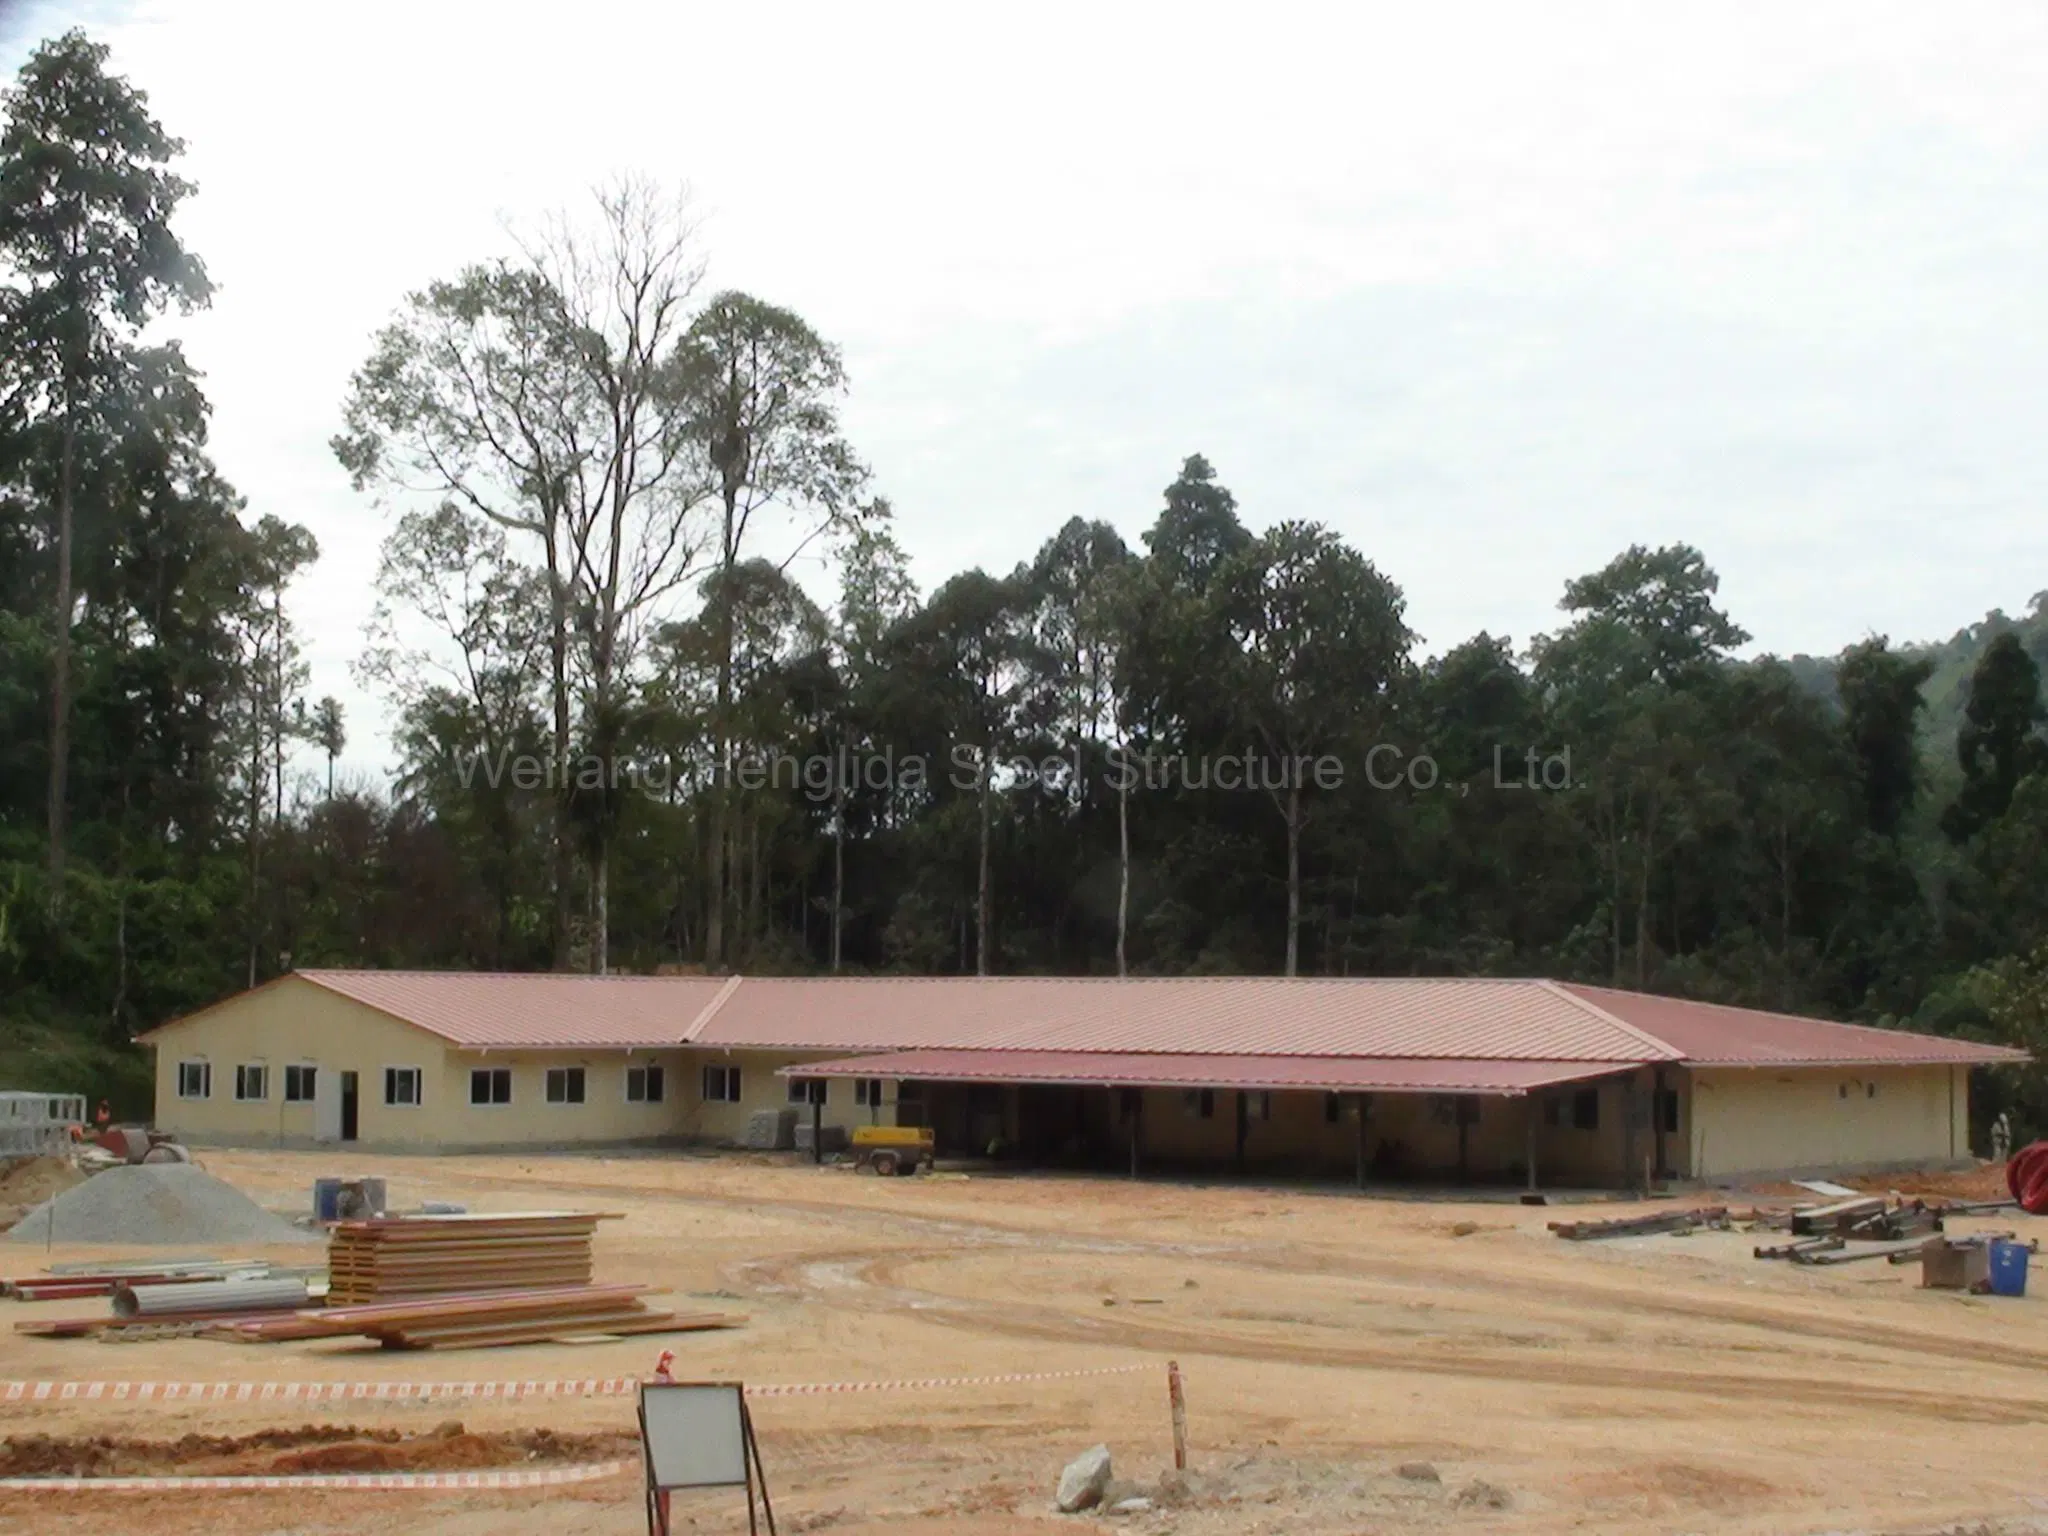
x,y
1367,1020
1224,1015
500,1010
1132,1070
1715,1035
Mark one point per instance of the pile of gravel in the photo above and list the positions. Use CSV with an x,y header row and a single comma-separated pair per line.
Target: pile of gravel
x,y
154,1203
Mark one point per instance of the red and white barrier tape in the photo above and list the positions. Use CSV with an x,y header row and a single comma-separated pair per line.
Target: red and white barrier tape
x,y
807,1388
551,1477
437,1391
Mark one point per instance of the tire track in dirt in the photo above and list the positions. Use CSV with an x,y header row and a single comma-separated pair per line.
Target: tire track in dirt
x,y
1304,1260
868,1282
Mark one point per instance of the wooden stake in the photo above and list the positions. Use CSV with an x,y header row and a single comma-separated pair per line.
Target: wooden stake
x,y
1178,1403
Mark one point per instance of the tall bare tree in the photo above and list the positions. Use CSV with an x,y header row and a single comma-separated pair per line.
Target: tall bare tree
x,y
541,391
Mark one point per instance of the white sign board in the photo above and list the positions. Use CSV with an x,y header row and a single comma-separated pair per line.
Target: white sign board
x,y
696,1437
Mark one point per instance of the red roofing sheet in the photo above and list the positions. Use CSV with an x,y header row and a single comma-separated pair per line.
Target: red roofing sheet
x,y
1132,1070
1714,1035
1225,1015
503,1011
1480,1020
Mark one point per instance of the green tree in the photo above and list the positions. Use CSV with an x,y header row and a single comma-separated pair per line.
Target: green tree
x,y
1314,649
1999,742
1881,705
762,390
330,733
86,203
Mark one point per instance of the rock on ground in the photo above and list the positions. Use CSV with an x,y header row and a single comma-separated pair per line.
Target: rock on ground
x,y
1483,1495
155,1204
1418,1472
1082,1482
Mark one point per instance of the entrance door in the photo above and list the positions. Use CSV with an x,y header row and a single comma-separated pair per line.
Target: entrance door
x,y
348,1106
326,1105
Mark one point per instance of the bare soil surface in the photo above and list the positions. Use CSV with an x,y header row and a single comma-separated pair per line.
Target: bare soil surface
x,y
1352,1365
311,1448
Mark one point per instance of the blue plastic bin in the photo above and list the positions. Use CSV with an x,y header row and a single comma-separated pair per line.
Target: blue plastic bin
x,y
326,1199
2008,1269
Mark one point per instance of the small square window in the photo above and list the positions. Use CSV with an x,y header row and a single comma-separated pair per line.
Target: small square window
x,y
807,1090
300,1084
722,1085
402,1087
867,1092
252,1083
490,1085
1199,1103
195,1079
644,1085
1258,1105
565,1085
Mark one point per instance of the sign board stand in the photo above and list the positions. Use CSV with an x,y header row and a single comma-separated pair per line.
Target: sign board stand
x,y
698,1434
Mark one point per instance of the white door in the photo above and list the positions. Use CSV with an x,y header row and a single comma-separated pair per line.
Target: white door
x,y
326,1105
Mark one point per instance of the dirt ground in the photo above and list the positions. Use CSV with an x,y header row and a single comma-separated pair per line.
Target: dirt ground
x,y
1352,1365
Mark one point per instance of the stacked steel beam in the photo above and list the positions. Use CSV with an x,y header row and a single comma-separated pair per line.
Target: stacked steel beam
x,y
481,1318
394,1257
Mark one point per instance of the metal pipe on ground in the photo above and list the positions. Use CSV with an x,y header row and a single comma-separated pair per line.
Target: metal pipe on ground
x,y
210,1296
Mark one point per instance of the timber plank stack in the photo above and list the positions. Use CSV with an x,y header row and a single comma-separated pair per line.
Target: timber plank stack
x,y
391,1258
480,1319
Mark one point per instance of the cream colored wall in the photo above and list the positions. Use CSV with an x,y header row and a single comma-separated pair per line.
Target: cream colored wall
x,y
1771,1120
293,1022
761,1089
530,1120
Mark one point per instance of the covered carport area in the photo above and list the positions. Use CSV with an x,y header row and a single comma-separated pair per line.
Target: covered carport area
x,y
1375,1120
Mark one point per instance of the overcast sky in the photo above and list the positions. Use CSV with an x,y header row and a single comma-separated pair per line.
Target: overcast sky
x,y
1495,290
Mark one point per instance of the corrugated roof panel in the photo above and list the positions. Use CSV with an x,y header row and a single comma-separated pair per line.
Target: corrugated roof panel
x,y
1481,1020
1715,1035
1236,1015
499,1010
1349,1074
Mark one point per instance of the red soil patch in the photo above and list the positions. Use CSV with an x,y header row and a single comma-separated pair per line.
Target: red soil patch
x,y
310,1449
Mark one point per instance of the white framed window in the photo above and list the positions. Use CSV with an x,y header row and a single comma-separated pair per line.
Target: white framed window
x,y
404,1087
721,1085
1199,1103
195,1079
300,1083
565,1085
867,1092
1258,1105
807,1090
252,1083
490,1085
645,1085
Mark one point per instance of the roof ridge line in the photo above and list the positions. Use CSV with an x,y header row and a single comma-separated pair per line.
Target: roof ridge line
x,y
1587,1005
710,1010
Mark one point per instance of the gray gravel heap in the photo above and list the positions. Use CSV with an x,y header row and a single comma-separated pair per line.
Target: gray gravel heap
x,y
155,1203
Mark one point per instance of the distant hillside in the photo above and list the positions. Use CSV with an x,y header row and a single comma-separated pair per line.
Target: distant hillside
x,y
1947,689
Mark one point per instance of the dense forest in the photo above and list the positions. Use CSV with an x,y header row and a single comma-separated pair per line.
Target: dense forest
x,y
631,739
